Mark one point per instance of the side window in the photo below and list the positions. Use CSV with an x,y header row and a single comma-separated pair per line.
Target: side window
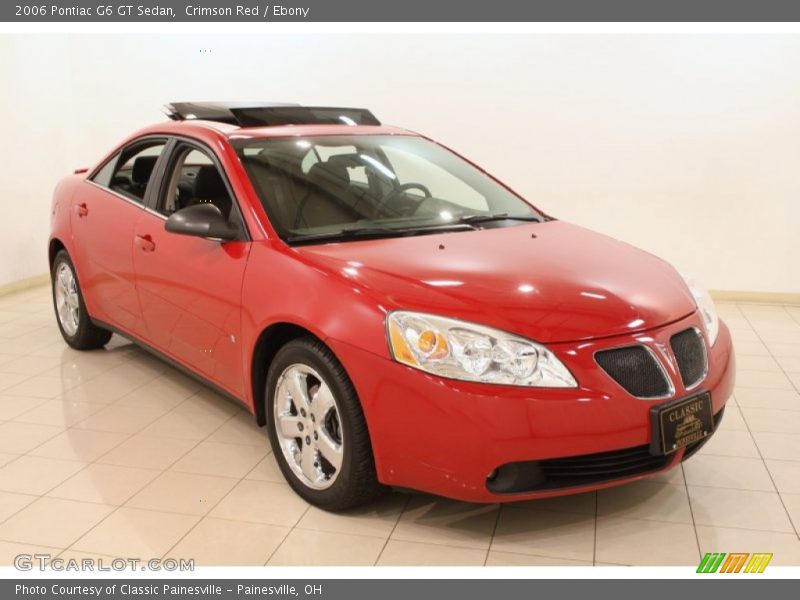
x,y
130,171
103,176
194,179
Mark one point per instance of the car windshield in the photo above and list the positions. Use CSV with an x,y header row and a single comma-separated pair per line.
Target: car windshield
x,y
336,187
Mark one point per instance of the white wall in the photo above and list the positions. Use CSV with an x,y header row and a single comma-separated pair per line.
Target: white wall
x,y
687,146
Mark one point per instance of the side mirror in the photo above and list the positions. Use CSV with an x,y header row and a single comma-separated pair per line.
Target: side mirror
x,y
202,220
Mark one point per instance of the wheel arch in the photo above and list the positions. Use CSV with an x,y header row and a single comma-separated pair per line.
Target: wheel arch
x,y
53,248
269,341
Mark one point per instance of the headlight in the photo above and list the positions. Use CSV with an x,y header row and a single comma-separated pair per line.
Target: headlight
x,y
706,307
471,352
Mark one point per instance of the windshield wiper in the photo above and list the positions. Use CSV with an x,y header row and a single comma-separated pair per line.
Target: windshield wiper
x,y
474,219
349,233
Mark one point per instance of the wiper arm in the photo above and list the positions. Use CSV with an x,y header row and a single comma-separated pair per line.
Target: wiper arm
x,y
343,234
474,219
349,233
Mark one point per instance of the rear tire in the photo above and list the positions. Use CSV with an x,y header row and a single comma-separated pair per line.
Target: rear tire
x,y
313,413
73,321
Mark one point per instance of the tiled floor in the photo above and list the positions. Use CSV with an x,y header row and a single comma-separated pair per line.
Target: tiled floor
x,y
114,453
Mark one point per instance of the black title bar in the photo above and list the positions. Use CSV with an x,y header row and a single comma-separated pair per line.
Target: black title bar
x,y
401,11
391,589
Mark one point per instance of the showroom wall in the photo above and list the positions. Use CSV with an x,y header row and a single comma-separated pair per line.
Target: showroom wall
x,y
687,146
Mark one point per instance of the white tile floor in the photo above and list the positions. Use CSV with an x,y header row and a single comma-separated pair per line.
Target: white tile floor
x,y
114,453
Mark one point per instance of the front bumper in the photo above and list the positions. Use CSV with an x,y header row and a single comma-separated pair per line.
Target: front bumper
x,y
445,437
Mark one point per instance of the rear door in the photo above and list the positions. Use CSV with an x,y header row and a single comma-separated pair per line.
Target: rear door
x,y
104,214
190,287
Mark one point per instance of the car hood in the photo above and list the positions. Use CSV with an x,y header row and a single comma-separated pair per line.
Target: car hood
x,y
550,282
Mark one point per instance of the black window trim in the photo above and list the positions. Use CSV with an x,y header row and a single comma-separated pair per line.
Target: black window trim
x,y
167,162
141,203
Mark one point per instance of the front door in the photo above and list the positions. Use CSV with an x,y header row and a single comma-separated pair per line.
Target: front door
x,y
190,287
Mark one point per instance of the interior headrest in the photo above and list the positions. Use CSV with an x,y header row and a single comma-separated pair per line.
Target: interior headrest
x,y
330,171
143,168
348,160
208,183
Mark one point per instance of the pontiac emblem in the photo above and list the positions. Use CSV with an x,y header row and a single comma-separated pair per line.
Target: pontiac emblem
x,y
662,349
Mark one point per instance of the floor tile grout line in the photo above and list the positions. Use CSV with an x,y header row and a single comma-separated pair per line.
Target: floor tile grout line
x,y
115,507
662,522
86,463
788,410
242,479
288,533
331,530
118,508
594,541
691,512
494,531
531,554
758,448
202,517
155,510
394,528
733,489
770,352
16,512
98,554
233,487
139,431
283,539
30,354
69,427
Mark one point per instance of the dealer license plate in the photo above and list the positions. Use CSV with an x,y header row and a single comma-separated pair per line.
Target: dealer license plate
x,y
680,423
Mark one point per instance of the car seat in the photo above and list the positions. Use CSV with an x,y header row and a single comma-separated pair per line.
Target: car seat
x,y
140,174
209,187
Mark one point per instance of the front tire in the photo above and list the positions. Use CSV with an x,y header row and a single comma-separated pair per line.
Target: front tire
x,y
73,321
317,429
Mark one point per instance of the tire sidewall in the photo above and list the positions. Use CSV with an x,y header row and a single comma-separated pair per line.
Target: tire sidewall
x,y
63,258
299,353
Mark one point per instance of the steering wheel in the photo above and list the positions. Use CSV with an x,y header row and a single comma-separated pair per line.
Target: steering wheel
x,y
402,188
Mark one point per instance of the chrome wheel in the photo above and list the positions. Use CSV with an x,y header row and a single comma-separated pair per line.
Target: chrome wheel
x,y
67,300
308,426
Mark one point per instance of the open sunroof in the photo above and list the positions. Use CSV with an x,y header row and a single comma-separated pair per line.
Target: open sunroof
x,y
269,114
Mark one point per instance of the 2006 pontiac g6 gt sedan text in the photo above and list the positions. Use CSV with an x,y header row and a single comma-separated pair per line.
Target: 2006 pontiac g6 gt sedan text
x,y
394,315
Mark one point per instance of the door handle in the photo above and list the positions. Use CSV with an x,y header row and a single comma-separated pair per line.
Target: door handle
x,y
145,242
81,209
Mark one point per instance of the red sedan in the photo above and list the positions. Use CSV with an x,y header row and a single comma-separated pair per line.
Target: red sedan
x,y
394,315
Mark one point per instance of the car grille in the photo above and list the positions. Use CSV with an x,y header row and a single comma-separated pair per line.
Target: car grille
x,y
690,354
575,471
604,465
585,469
635,369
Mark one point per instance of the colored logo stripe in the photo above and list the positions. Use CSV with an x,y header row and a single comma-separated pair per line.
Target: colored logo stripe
x,y
758,563
710,562
734,562
713,562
